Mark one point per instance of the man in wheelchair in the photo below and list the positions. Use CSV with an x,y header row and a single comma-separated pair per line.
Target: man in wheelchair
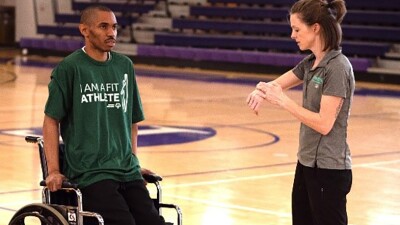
x,y
94,103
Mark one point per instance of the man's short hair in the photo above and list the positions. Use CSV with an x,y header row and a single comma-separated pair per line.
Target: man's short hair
x,y
88,12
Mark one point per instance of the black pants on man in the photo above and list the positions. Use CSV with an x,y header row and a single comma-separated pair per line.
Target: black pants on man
x,y
120,203
319,196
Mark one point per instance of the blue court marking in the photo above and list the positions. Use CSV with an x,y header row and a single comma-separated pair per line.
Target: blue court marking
x,y
166,135
271,165
149,135
163,135
269,139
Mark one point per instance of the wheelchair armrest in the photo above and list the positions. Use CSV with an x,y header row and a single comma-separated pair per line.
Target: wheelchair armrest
x,y
152,178
65,184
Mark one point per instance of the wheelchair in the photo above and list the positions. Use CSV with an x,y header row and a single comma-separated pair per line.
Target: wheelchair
x,y
64,207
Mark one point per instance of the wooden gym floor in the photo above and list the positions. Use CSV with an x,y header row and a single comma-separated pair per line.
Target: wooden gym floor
x,y
241,173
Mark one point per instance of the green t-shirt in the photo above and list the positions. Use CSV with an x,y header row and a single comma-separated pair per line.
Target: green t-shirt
x,y
96,104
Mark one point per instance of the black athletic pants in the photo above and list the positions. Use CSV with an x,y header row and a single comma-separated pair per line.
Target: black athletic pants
x,y
319,196
120,203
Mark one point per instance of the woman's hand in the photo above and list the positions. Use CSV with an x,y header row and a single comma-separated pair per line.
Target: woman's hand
x,y
255,99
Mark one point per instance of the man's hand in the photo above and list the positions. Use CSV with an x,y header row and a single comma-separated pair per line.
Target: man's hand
x,y
146,171
54,181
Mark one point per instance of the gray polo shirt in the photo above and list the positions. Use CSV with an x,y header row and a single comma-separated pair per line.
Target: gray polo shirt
x,y
334,77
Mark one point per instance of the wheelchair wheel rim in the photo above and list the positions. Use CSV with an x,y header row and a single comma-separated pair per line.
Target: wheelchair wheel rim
x,y
45,213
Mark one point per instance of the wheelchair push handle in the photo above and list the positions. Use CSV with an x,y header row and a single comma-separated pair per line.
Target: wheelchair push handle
x,y
152,178
65,184
32,139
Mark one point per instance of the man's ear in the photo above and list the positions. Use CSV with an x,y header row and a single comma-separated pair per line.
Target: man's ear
x,y
83,29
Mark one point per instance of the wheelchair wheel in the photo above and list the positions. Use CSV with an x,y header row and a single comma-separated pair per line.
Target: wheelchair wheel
x,y
46,214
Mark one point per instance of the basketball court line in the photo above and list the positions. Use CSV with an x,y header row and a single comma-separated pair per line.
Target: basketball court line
x,y
273,175
7,209
234,207
17,203
384,169
373,165
376,166
273,165
230,206
378,163
220,181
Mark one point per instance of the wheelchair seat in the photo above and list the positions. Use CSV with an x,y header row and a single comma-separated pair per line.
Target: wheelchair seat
x,y
64,207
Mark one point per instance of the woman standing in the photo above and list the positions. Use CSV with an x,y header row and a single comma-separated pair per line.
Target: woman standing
x,y
323,174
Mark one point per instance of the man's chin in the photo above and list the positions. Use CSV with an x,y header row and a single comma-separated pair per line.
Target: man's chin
x,y
110,45
108,48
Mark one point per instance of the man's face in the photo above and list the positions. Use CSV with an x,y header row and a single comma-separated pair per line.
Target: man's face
x,y
101,32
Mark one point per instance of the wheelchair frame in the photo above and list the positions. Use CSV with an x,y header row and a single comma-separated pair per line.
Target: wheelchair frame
x,y
54,214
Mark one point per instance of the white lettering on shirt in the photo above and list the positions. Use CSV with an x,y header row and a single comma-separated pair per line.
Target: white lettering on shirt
x,y
111,93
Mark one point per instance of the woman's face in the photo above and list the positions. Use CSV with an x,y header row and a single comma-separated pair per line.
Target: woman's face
x,y
304,35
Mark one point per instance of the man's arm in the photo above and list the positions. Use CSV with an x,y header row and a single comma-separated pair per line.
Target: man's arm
x,y
51,149
135,131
